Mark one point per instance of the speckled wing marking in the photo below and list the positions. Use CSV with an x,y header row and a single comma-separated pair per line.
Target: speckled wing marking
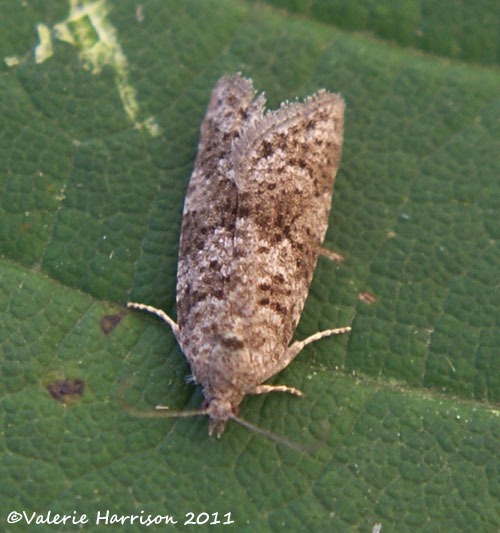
x,y
284,172
255,216
211,203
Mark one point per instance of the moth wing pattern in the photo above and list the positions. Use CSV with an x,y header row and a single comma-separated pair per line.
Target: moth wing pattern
x,y
255,216
209,217
285,168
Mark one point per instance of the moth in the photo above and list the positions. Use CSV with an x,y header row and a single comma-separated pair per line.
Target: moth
x,y
255,216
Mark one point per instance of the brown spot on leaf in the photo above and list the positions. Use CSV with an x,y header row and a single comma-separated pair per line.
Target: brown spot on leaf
x,y
109,322
367,297
66,390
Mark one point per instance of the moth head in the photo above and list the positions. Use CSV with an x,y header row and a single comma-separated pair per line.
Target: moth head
x,y
219,411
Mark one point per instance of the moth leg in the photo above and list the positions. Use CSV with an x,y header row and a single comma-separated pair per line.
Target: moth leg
x,y
297,346
159,313
264,389
333,256
294,349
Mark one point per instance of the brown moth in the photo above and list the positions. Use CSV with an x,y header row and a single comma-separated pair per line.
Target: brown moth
x,y
255,216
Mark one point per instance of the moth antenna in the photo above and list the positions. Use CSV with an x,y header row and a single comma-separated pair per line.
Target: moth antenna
x,y
272,436
161,411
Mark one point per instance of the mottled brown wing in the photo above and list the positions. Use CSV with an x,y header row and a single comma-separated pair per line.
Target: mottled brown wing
x,y
205,248
284,173
255,216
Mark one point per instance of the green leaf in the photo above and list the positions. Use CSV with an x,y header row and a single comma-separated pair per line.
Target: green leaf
x,y
101,107
456,29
